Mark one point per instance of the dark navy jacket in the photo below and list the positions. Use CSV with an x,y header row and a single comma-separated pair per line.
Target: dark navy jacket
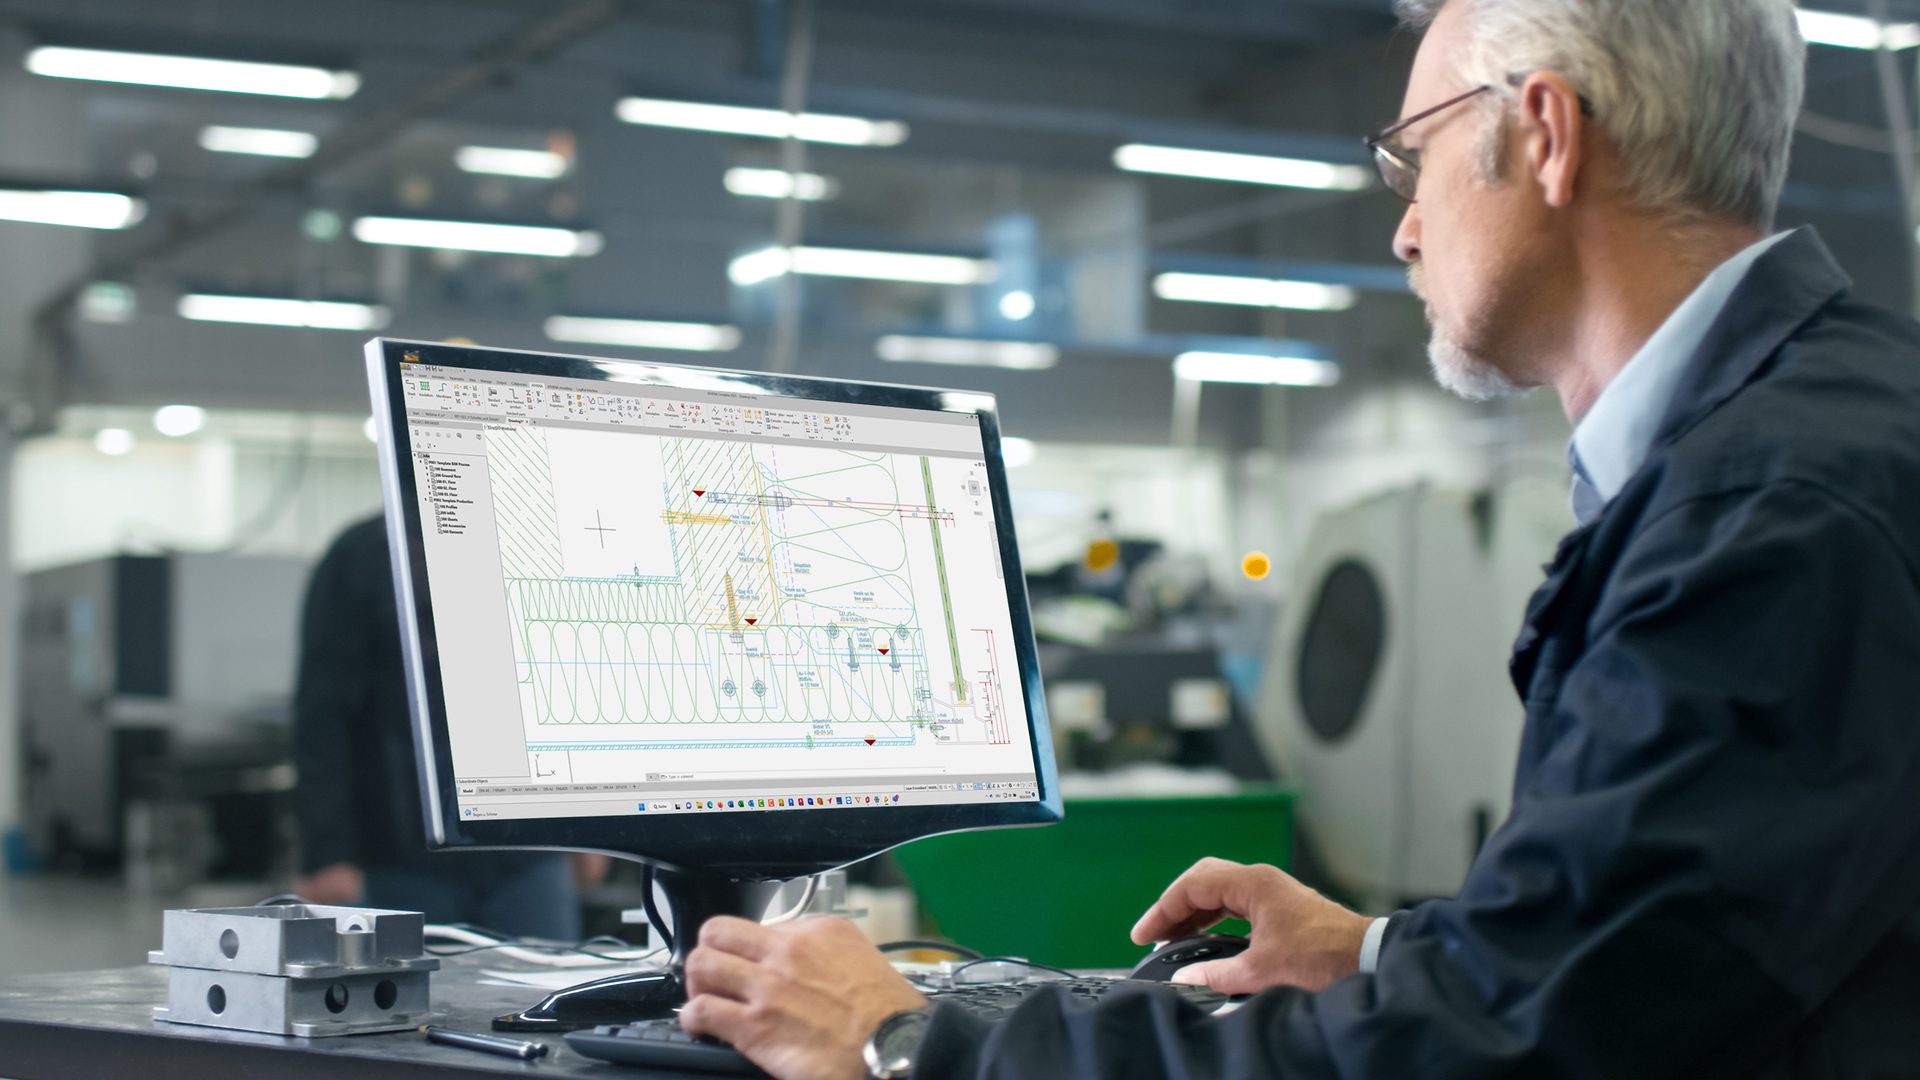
x,y
1712,865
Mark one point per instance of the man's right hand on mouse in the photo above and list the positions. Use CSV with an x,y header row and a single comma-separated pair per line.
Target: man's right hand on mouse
x,y
1299,938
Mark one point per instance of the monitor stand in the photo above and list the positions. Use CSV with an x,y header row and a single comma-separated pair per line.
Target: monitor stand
x,y
649,995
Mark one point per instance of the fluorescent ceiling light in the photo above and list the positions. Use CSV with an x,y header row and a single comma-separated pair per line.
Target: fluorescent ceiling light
x,y
1016,452
970,352
81,209
1253,292
475,236
776,184
1247,368
178,420
269,311
1243,168
1855,31
762,123
192,73
504,161
644,334
266,142
770,263
113,441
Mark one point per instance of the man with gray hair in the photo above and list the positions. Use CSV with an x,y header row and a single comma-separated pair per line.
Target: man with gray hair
x,y
1712,864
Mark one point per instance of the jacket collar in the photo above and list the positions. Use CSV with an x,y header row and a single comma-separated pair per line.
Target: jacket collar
x,y
1784,289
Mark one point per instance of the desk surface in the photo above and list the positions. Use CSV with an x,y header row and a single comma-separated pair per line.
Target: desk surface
x,y
100,1024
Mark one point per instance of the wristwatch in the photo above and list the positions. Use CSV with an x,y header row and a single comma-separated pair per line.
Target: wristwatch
x,y
890,1049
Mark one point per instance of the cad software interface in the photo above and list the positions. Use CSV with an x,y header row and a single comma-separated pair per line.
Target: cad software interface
x,y
660,600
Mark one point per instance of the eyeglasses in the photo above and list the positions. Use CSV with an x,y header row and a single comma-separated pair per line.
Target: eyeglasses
x,y
1400,166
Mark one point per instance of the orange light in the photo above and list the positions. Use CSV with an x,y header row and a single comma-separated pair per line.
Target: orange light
x,y
1256,565
1102,554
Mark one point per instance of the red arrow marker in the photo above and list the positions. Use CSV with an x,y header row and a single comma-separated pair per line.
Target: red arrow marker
x,y
869,742
698,492
883,652
750,622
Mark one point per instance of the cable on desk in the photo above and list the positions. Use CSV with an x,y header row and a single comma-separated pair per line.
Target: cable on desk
x,y
1011,960
652,908
799,909
905,944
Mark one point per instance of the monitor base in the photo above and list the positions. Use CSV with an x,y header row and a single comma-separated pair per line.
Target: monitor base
x,y
649,995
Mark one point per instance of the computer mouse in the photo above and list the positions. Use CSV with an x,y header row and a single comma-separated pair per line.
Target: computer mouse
x,y
1162,962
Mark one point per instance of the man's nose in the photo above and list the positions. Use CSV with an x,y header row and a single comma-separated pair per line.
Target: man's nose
x,y
1406,239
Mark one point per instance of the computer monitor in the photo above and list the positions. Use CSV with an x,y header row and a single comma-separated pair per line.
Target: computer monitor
x,y
742,627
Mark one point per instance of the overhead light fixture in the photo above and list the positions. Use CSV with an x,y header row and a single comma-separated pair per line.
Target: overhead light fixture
x,y
644,334
505,161
80,209
113,441
1855,31
776,184
477,236
109,302
1017,306
175,421
266,142
968,352
272,311
1253,292
761,123
192,72
1242,168
1249,368
1015,452
770,263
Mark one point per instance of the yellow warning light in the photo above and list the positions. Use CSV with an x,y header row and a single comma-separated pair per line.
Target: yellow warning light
x,y
1256,565
1102,554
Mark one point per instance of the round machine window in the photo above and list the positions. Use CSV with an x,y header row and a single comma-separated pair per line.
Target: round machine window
x,y
1340,651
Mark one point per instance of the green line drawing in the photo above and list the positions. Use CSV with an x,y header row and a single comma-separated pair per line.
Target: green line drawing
x,y
946,597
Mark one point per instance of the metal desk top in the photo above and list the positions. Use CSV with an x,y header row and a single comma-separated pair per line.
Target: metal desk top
x,y
100,1024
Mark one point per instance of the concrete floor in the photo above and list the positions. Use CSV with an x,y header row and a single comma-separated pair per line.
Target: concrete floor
x,y
52,922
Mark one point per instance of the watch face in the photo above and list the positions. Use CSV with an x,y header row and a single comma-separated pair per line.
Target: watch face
x,y
891,1050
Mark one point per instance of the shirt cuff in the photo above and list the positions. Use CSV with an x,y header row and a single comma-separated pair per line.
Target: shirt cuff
x,y
1370,946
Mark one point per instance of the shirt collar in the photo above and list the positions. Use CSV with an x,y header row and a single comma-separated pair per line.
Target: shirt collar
x,y
1613,439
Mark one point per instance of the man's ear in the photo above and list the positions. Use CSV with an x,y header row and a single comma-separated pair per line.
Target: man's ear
x,y
1554,124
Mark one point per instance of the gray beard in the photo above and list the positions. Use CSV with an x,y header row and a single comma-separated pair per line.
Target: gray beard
x,y
1462,374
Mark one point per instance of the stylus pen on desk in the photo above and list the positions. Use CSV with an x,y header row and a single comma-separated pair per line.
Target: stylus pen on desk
x,y
492,1044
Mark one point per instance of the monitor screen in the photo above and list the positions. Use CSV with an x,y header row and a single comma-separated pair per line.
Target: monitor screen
x,y
648,592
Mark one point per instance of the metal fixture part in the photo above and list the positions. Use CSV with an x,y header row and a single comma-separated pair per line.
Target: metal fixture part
x,y
296,969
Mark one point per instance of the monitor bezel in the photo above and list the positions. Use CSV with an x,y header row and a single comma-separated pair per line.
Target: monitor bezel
x,y
744,843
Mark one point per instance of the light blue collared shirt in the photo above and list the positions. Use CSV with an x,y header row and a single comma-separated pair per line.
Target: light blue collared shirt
x,y
1612,441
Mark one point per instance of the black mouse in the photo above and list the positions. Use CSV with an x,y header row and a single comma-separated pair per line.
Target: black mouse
x,y
1162,962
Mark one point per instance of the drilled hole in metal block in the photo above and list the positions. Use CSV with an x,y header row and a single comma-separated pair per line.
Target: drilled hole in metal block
x,y
216,999
385,994
229,944
337,997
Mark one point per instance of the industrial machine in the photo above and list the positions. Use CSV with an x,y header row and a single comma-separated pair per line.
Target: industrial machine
x,y
1387,703
151,684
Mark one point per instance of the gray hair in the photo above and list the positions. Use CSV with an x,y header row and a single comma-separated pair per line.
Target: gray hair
x,y
1698,97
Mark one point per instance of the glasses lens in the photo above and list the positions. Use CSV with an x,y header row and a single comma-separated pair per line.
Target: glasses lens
x,y
1401,176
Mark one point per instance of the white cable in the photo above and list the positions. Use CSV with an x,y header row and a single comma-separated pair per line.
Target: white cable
x,y
543,957
806,898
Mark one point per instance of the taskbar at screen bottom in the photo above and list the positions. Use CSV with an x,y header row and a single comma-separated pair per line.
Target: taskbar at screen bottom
x,y
560,805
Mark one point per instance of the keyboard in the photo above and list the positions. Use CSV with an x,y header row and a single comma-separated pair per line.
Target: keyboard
x,y
661,1044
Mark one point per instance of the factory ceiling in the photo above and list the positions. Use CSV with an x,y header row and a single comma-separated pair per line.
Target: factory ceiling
x,y
1010,116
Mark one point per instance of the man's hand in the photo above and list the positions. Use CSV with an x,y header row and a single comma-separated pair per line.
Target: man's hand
x,y
1300,938
337,883
799,998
